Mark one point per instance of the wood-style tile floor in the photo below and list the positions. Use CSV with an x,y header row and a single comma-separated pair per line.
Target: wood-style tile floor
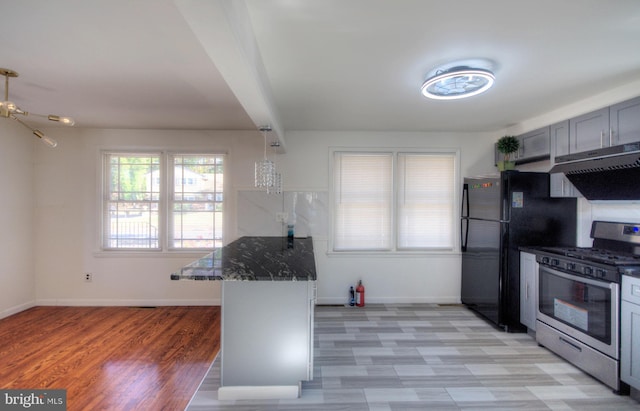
x,y
426,357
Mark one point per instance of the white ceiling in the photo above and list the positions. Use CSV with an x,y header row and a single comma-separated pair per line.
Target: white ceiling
x,y
310,64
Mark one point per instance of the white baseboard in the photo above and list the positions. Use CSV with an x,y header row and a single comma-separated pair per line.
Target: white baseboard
x,y
72,302
16,309
269,392
392,300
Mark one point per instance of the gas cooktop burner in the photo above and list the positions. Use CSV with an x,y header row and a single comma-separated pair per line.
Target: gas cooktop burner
x,y
615,251
596,255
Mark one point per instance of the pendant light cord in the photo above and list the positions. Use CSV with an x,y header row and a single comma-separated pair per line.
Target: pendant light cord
x,y
264,133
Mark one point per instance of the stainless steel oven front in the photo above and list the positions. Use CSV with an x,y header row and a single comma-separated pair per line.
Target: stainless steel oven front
x,y
583,308
578,318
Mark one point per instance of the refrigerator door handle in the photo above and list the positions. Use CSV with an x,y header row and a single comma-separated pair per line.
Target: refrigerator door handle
x,y
464,228
464,222
485,219
465,201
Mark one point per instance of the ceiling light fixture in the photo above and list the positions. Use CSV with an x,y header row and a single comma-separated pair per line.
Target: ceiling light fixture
x,y
9,109
457,82
265,169
277,177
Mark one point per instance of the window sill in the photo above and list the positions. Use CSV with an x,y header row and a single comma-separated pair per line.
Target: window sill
x,y
150,254
394,254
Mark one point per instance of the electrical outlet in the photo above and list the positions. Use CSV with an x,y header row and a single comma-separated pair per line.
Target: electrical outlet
x,y
281,217
88,277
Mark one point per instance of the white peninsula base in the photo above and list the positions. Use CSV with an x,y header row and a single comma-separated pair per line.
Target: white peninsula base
x,y
267,338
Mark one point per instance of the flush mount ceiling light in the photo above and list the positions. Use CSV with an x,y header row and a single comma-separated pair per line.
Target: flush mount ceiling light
x,y
457,82
9,109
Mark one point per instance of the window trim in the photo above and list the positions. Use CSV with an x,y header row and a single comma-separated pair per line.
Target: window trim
x,y
163,208
395,250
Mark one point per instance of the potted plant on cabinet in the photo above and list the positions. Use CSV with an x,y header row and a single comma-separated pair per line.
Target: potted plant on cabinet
x,y
507,145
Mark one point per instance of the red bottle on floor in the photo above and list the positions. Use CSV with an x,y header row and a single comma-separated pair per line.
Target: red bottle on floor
x,y
360,294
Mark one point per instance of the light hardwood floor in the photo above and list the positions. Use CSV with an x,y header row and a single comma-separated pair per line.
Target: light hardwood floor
x,y
111,358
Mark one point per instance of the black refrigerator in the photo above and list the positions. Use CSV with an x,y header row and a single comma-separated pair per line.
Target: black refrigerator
x,y
499,215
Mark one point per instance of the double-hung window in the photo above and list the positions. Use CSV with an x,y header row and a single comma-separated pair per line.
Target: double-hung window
x,y
196,201
162,201
363,184
393,200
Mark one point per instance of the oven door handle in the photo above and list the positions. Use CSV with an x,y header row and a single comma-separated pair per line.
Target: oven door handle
x,y
573,277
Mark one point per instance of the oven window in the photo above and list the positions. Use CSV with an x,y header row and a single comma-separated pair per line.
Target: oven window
x,y
583,306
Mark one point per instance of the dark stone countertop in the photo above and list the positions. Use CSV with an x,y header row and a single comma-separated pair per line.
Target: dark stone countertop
x,y
255,259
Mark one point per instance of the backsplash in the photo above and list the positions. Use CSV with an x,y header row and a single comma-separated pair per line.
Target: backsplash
x,y
307,210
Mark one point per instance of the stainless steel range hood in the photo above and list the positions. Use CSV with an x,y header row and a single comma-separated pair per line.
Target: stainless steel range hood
x,y
610,173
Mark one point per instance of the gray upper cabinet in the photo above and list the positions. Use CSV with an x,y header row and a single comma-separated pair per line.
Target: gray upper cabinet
x,y
625,122
534,145
559,139
589,131
560,186
609,126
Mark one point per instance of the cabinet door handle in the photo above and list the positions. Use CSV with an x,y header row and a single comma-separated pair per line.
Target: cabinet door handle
x,y
602,139
527,292
611,137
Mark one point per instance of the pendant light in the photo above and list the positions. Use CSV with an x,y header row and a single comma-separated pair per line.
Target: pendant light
x,y
9,109
276,188
265,169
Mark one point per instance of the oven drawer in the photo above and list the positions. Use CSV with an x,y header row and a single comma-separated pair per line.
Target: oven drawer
x,y
582,356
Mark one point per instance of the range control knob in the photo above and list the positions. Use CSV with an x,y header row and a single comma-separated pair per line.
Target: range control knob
x,y
545,260
571,266
555,261
601,273
588,270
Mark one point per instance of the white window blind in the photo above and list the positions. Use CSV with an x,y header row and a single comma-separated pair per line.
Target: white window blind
x,y
363,201
425,201
393,201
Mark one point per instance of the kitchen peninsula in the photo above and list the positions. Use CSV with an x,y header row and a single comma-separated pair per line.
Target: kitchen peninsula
x,y
268,298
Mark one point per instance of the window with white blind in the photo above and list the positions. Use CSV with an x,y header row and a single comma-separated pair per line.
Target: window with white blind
x,y
393,201
363,201
162,201
425,203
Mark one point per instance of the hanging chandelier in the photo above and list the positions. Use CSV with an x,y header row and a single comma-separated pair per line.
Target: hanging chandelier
x,y
276,188
9,109
265,169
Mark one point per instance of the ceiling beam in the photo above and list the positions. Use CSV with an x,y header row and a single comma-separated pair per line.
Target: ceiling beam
x,y
224,30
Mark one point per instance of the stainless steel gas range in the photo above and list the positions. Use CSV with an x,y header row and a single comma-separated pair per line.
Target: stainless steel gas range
x,y
578,314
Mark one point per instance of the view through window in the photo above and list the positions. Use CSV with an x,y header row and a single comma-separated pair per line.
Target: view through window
x,y
136,188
